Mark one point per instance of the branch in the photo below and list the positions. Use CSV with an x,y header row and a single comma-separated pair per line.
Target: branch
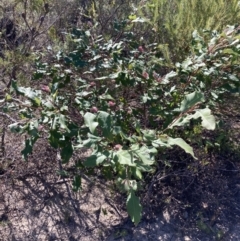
x,y
8,116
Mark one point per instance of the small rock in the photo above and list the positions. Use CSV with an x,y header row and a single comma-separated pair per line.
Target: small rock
x,y
166,216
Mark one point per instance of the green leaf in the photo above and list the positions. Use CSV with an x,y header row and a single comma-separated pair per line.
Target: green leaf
x,y
230,51
181,143
15,128
54,138
148,135
104,120
91,140
132,17
36,101
186,63
134,208
111,76
62,122
125,158
140,20
137,173
190,101
106,97
168,76
162,141
76,183
28,92
142,154
33,129
89,121
233,77
48,103
94,160
145,168
28,147
208,120
66,152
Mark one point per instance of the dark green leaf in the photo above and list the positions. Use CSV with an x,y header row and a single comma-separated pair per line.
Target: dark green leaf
x,y
54,138
66,152
91,140
76,183
134,208
104,120
94,160
28,147
191,100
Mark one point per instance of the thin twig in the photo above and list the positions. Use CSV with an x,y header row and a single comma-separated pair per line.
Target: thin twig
x,y
7,116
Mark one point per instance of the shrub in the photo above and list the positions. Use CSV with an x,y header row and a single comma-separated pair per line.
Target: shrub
x,y
110,96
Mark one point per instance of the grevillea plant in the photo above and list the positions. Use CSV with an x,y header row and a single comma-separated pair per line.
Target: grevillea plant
x,y
113,98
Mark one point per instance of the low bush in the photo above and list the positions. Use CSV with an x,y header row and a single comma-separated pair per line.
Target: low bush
x,y
110,97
